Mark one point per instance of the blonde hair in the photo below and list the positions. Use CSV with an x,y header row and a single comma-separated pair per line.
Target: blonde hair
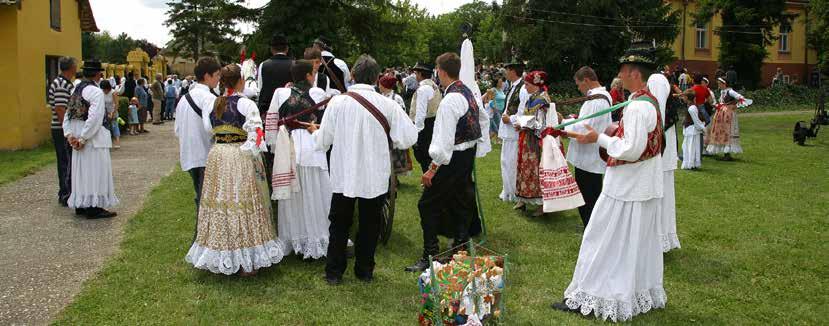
x,y
615,83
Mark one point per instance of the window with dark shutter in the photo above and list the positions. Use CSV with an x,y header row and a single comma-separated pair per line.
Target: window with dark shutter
x,y
54,14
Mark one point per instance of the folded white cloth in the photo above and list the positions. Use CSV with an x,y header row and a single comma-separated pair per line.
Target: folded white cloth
x,y
558,187
285,181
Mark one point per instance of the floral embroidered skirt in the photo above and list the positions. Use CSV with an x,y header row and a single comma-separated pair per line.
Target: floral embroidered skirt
x,y
528,183
724,132
235,227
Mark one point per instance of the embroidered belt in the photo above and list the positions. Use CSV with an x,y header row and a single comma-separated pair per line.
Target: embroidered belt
x,y
230,138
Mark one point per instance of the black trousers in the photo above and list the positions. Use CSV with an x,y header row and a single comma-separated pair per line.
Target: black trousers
x,y
590,185
448,198
342,216
64,157
197,174
421,147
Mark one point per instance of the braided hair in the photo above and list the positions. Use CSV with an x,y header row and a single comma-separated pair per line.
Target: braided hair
x,y
230,76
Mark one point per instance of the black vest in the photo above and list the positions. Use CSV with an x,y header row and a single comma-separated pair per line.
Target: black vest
x,y
276,72
338,78
468,127
512,102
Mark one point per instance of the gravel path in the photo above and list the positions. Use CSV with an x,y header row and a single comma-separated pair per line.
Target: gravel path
x,y
48,252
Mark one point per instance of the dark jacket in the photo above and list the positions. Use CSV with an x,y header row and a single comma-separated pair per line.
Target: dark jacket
x,y
276,72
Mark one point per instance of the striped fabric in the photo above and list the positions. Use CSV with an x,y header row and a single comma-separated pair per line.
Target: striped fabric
x,y
59,92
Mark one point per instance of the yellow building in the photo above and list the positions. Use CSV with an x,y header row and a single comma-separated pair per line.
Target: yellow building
x,y
33,35
697,46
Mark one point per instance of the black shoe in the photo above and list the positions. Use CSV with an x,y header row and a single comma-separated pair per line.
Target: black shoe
x,y
97,213
366,279
63,202
421,265
82,211
333,280
562,306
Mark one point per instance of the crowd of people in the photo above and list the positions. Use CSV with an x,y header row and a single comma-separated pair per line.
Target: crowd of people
x,y
283,153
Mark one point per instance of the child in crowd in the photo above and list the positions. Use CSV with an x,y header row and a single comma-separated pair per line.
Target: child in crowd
x,y
133,116
693,128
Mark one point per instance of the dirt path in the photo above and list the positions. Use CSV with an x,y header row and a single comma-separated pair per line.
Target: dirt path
x,y
47,251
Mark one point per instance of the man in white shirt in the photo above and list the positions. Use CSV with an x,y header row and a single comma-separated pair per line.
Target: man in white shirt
x,y
422,111
458,128
661,89
589,167
360,167
517,97
194,141
619,270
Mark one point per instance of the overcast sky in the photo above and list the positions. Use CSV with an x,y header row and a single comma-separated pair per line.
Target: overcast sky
x,y
143,19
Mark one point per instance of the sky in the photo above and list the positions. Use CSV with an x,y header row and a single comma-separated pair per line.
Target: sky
x,y
144,19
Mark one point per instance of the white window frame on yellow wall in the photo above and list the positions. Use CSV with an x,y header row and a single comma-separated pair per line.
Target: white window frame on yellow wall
x,y
701,36
784,42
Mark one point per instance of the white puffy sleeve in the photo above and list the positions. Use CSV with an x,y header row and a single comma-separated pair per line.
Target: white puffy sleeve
x,y
253,126
272,117
324,136
451,109
693,110
205,116
403,132
638,120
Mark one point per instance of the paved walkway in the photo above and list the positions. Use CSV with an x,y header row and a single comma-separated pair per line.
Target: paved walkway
x,y
47,252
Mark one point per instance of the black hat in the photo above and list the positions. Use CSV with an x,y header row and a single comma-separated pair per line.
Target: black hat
x,y
323,42
278,40
423,67
514,63
92,65
641,53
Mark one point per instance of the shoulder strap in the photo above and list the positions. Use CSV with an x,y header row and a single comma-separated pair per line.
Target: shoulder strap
x,y
374,111
193,104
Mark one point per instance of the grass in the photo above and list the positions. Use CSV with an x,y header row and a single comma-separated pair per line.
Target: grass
x,y
753,236
18,164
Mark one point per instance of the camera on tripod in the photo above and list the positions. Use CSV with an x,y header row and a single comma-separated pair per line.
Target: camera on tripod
x,y
802,131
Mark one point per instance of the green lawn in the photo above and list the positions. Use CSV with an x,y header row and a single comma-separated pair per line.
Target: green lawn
x,y
17,164
753,236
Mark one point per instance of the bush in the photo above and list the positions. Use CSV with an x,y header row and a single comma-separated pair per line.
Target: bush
x,y
784,95
124,112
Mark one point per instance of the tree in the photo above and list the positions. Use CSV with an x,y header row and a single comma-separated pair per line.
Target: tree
x,y
104,47
198,26
819,31
393,33
748,26
561,37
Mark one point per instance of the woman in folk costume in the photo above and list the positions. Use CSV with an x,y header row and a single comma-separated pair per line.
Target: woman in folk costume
x,y
235,230
302,214
400,158
619,270
724,133
537,116
692,133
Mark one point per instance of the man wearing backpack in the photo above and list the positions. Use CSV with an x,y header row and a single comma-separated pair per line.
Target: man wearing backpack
x,y
83,126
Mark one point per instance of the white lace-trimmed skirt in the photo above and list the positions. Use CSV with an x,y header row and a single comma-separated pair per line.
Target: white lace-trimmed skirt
x,y
235,229
667,220
618,274
303,219
92,184
509,169
691,157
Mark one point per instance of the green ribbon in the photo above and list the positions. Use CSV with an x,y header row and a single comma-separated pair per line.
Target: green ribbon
x,y
600,113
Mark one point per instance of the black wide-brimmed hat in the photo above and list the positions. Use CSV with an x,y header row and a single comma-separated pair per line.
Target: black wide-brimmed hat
x,y
424,67
640,53
92,65
278,40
